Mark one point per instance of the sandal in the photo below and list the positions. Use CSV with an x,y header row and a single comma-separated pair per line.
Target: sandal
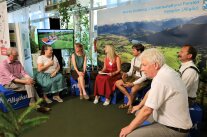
x,y
81,97
86,97
129,109
123,106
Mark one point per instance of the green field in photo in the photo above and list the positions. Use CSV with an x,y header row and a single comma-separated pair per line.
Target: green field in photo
x,y
63,41
124,49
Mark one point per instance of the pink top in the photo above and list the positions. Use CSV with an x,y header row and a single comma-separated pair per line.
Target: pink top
x,y
10,71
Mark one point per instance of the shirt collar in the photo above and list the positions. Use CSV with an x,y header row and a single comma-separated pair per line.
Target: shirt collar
x,y
186,63
9,62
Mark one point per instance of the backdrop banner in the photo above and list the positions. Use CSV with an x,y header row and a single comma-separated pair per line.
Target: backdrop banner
x,y
163,24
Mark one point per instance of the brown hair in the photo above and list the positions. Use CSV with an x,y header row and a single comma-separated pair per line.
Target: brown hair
x,y
191,50
138,47
44,47
80,46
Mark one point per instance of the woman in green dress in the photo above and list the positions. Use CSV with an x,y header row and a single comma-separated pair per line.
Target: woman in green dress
x,y
48,76
78,70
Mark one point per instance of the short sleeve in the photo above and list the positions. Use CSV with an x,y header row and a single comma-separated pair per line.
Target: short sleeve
x,y
40,60
55,59
157,95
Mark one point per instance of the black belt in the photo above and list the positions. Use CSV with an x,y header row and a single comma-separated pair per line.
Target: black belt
x,y
179,129
190,98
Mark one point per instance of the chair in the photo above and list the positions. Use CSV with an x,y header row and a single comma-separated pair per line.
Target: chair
x,y
16,99
196,114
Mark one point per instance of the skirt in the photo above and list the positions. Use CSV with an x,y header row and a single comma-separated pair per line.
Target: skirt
x,y
105,85
51,84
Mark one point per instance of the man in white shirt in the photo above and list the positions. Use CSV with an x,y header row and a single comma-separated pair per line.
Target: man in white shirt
x,y
189,72
167,100
133,79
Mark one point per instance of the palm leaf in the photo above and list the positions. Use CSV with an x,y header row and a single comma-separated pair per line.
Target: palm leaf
x,y
4,128
28,111
10,126
30,123
5,119
8,134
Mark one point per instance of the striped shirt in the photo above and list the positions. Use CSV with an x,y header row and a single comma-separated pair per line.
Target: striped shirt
x,y
10,71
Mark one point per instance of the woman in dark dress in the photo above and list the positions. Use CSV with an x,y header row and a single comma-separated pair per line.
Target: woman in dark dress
x,y
78,71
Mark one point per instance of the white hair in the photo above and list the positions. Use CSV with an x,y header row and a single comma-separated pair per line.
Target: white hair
x,y
10,50
153,56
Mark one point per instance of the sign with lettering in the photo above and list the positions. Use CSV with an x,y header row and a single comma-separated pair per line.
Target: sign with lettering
x,y
3,50
163,24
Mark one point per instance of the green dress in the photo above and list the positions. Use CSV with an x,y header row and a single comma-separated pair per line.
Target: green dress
x,y
79,60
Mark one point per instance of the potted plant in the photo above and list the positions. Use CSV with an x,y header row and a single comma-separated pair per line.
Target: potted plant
x,y
14,125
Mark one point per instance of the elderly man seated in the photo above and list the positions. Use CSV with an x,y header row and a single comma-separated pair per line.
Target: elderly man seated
x,y
14,77
167,100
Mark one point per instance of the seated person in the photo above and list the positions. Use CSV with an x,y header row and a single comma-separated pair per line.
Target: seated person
x,y
48,77
14,77
189,72
104,83
134,78
167,101
78,70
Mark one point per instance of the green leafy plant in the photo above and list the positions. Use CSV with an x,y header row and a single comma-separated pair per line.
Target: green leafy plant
x,y
82,20
14,125
82,24
34,46
203,75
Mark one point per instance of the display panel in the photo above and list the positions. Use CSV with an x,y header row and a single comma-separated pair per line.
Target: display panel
x,y
58,39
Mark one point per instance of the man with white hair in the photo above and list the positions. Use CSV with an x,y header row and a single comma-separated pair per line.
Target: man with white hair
x,y
14,77
167,100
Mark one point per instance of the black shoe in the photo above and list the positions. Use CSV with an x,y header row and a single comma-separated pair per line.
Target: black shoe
x,y
44,109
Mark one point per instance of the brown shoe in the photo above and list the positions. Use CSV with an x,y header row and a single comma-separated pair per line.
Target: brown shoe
x,y
129,109
123,106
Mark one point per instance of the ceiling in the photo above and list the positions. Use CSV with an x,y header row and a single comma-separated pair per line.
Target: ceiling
x,y
13,5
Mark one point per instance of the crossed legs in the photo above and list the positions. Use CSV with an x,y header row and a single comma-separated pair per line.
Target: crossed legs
x,y
81,86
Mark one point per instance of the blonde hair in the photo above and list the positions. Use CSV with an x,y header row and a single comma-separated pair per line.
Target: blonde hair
x,y
111,54
153,56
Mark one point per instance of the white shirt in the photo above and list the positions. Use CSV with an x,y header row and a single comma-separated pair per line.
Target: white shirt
x,y
44,60
190,77
142,77
169,100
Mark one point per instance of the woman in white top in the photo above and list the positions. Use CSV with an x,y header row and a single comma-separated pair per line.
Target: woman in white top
x,y
48,77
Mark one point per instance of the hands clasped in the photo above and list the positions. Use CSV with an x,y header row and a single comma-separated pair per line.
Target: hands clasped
x,y
29,81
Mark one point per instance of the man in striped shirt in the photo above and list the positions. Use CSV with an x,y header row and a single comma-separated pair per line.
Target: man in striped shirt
x,y
14,77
